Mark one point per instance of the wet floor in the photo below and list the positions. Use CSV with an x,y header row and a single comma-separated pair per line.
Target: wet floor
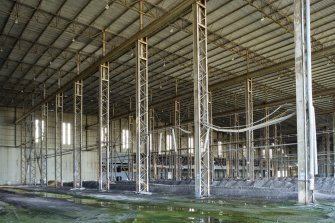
x,y
18,205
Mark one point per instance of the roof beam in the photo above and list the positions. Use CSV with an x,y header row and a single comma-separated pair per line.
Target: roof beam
x,y
254,74
287,100
241,78
149,30
274,68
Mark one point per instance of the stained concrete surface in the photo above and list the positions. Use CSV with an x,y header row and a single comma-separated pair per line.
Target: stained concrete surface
x,y
40,204
268,189
232,200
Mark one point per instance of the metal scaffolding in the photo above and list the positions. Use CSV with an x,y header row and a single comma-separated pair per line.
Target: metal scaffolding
x,y
23,152
249,117
142,134
190,150
237,146
249,133
230,155
275,152
201,110
176,138
267,145
153,154
211,143
43,126
328,171
30,149
306,136
142,145
115,144
31,146
104,121
131,127
77,128
58,138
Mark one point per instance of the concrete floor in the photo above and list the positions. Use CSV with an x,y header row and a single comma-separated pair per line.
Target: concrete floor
x,y
36,204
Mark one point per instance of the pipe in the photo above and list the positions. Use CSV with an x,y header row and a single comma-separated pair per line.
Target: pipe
x,y
312,137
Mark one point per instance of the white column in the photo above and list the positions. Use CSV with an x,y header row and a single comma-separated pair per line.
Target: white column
x,y
306,137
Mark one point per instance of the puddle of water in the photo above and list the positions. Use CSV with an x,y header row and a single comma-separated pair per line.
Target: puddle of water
x,y
127,207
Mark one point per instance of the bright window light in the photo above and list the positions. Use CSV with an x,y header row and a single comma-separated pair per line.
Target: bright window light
x,y
168,142
43,130
219,148
103,135
37,130
150,144
160,143
63,133
66,133
125,139
190,144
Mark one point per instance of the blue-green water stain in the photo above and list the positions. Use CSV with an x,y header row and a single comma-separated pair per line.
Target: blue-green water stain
x,y
159,208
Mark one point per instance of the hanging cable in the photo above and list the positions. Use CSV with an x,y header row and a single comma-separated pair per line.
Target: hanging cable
x,y
269,115
184,131
259,126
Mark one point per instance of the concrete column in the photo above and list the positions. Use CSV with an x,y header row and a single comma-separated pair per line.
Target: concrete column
x,y
306,137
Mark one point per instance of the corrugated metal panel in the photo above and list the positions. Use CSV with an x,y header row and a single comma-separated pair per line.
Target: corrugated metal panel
x,y
237,25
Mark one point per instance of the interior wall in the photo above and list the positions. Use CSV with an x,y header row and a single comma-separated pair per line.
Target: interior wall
x,y
10,152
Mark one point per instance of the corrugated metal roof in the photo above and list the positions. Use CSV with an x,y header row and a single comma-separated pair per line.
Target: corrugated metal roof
x,y
55,30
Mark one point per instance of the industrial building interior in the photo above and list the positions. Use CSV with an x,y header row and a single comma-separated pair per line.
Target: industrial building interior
x,y
195,97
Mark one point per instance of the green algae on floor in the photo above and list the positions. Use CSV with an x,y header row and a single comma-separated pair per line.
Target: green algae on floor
x,y
129,207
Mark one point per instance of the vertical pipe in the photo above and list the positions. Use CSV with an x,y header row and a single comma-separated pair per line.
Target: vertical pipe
x,y
312,131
